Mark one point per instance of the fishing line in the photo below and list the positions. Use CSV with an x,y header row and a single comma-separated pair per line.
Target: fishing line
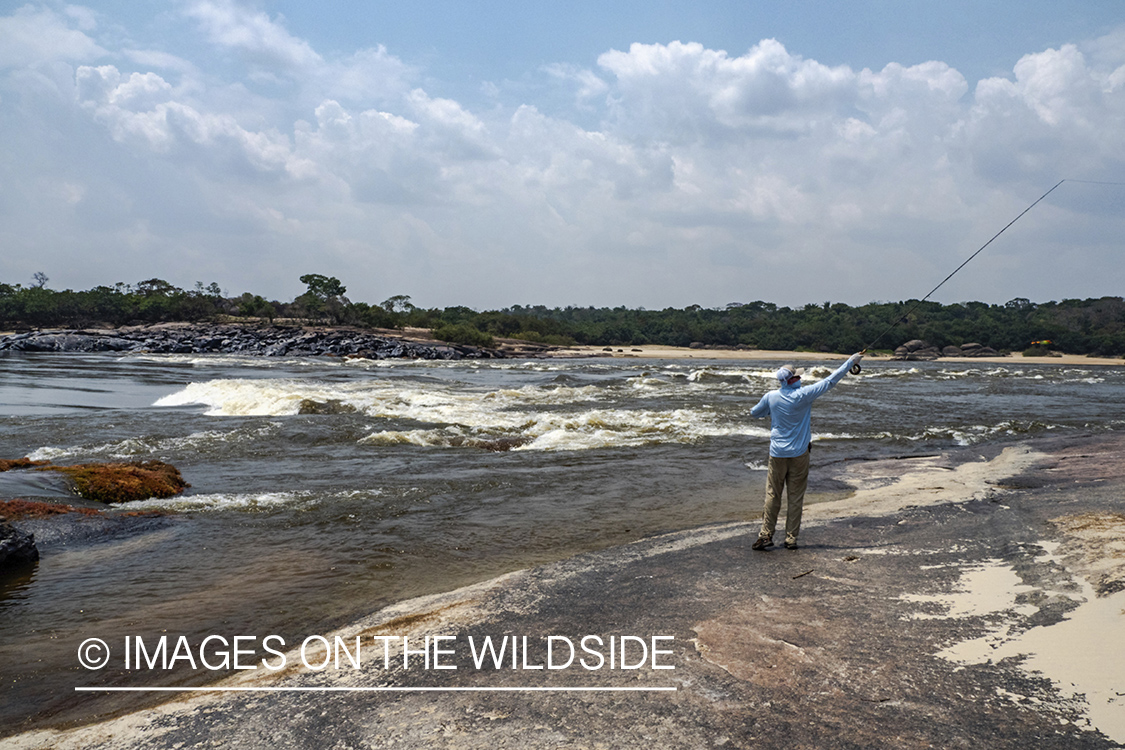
x,y
856,369
1096,182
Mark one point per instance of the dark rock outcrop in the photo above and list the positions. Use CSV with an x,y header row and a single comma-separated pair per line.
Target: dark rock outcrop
x,y
917,350
17,548
274,341
976,350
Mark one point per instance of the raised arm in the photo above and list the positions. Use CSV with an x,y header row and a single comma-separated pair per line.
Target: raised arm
x,y
817,389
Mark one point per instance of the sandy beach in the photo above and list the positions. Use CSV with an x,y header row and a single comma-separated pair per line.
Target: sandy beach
x,y
674,352
967,599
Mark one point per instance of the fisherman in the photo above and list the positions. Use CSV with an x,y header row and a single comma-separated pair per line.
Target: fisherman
x,y
790,411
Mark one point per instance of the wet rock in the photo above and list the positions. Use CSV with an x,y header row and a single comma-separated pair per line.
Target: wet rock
x,y
817,648
332,406
276,341
21,510
17,548
18,463
123,482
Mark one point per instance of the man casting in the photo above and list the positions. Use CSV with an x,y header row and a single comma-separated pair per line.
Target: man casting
x,y
790,411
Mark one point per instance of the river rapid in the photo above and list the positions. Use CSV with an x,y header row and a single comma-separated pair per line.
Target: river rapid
x,y
323,489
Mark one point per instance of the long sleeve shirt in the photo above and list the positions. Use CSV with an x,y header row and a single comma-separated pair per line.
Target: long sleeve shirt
x,y
790,411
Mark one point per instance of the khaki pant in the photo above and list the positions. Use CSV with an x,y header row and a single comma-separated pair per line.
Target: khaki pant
x,y
794,474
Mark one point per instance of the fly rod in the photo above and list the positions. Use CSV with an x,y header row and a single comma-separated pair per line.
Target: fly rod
x,y
856,369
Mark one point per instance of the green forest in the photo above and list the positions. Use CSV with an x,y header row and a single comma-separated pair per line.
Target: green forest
x,y
1089,326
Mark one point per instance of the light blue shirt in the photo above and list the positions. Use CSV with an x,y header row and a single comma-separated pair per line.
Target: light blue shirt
x,y
790,411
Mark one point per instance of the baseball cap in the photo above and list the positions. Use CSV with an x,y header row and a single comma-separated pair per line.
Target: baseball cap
x,y
789,371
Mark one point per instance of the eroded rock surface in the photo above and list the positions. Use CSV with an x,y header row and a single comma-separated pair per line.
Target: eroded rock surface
x,y
840,644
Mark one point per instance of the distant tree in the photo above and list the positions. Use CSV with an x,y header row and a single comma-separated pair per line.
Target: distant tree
x,y
323,287
40,279
254,305
156,287
400,303
325,297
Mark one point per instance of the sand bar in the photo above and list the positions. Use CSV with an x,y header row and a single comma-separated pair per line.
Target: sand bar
x,y
676,352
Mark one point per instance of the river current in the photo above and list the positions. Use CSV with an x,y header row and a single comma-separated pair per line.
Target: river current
x,y
323,489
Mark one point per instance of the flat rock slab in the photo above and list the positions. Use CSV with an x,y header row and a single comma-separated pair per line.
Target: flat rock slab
x,y
848,642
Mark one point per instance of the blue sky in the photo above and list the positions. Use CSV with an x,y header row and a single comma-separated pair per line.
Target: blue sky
x,y
488,154
496,41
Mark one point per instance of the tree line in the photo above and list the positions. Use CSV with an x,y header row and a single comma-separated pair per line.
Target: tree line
x,y
1089,326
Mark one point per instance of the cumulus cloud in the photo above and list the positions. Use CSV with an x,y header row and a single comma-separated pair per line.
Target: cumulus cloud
x,y
38,35
589,87
685,92
696,176
1058,116
254,34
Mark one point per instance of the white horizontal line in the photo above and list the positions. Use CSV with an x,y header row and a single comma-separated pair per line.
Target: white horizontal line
x,y
82,689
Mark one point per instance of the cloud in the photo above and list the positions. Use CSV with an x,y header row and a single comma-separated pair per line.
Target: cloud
x,y
368,75
685,92
140,111
694,176
1059,116
36,35
262,40
588,86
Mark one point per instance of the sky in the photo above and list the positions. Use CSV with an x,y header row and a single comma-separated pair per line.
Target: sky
x,y
647,154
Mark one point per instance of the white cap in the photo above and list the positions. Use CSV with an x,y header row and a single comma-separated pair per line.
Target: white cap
x,y
789,371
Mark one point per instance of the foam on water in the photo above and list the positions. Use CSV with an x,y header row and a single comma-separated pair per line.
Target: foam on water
x,y
248,501
584,430
146,446
553,417
586,407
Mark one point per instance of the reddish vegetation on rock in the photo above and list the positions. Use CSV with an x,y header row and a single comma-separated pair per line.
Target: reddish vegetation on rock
x,y
123,482
7,464
18,510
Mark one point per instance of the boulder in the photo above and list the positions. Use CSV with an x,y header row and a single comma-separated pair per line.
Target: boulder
x,y
122,482
214,338
331,406
951,351
917,350
17,548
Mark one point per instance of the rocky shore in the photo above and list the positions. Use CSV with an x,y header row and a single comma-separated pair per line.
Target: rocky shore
x,y
923,611
917,350
271,341
17,548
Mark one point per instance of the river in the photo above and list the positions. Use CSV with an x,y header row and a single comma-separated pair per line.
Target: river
x,y
323,489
